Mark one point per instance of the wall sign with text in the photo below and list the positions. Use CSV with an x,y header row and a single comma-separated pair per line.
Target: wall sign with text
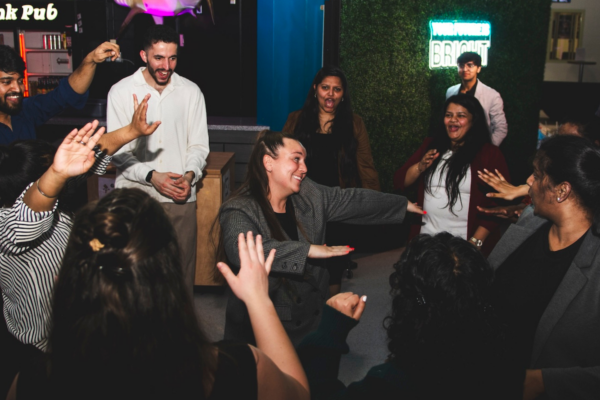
x,y
449,39
27,12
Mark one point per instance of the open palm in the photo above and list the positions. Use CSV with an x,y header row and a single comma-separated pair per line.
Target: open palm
x,y
138,121
75,155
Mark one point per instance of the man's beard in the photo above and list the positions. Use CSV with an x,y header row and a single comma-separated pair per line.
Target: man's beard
x,y
8,108
153,75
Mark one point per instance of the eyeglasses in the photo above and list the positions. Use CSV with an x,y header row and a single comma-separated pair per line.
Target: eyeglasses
x,y
469,65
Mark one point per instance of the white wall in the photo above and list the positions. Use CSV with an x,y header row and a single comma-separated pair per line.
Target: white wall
x,y
563,72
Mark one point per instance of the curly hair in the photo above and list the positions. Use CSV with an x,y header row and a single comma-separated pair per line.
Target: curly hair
x,y
123,322
442,329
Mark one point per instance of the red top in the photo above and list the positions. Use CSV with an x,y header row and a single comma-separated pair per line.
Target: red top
x,y
489,157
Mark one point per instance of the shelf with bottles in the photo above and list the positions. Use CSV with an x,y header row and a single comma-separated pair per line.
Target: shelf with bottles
x,y
46,54
43,84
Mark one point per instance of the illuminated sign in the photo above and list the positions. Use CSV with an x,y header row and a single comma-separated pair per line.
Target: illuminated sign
x,y
450,39
28,12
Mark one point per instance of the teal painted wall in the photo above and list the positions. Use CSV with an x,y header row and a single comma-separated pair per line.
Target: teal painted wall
x,y
290,48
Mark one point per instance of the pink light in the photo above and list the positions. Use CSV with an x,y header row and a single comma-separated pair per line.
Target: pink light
x,y
160,8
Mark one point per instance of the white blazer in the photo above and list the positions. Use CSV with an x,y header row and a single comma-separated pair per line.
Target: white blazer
x,y
492,105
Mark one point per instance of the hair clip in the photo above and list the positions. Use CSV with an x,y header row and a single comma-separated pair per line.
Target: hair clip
x,y
96,245
421,300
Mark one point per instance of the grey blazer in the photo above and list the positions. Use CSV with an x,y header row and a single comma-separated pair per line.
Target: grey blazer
x,y
492,104
567,340
298,285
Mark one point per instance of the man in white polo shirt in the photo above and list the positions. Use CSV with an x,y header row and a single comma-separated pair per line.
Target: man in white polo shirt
x,y
168,164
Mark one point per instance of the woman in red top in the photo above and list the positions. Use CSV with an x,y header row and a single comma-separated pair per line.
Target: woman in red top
x,y
444,168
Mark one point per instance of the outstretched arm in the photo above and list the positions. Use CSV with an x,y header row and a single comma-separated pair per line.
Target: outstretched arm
x,y
321,350
113,141
279,373
82,78
510,211
502,186
74,157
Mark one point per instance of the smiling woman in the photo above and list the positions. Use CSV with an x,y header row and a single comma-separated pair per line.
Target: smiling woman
x,y
337,147
291,211
443,168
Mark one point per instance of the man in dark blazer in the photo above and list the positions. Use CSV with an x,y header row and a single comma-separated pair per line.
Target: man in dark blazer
x,y
566,345
298,285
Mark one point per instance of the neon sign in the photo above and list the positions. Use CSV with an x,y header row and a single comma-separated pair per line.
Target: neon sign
x,y
450,39
29,12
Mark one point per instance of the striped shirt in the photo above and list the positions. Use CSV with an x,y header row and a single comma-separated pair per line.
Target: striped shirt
x,y
32,245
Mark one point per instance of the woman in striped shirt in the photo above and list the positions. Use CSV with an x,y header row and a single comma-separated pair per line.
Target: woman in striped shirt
x,y
33,229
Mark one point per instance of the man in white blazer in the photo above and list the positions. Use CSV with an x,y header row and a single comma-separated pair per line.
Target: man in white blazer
x,y
469,66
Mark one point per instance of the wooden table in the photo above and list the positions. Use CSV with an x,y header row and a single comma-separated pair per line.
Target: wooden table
x,y
212,190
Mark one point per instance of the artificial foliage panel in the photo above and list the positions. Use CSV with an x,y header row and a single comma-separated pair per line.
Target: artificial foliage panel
x,y
385,54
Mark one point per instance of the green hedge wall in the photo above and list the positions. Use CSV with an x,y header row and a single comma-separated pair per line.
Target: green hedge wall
x,y
384,51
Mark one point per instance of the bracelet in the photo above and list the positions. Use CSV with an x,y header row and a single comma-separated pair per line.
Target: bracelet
x,y
477,242
37,184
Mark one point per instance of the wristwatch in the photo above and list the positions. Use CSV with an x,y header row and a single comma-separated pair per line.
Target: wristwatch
x,y
149,176
476,241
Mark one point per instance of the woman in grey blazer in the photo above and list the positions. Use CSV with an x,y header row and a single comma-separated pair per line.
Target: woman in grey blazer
x,y
290,212
548,274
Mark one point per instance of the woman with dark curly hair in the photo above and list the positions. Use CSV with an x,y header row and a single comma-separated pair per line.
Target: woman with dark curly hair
x,y
444,339
337,148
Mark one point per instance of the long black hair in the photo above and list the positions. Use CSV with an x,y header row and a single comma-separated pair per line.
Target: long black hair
x,y
463,155
21,163
123,324
442,329
573,159
342,126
